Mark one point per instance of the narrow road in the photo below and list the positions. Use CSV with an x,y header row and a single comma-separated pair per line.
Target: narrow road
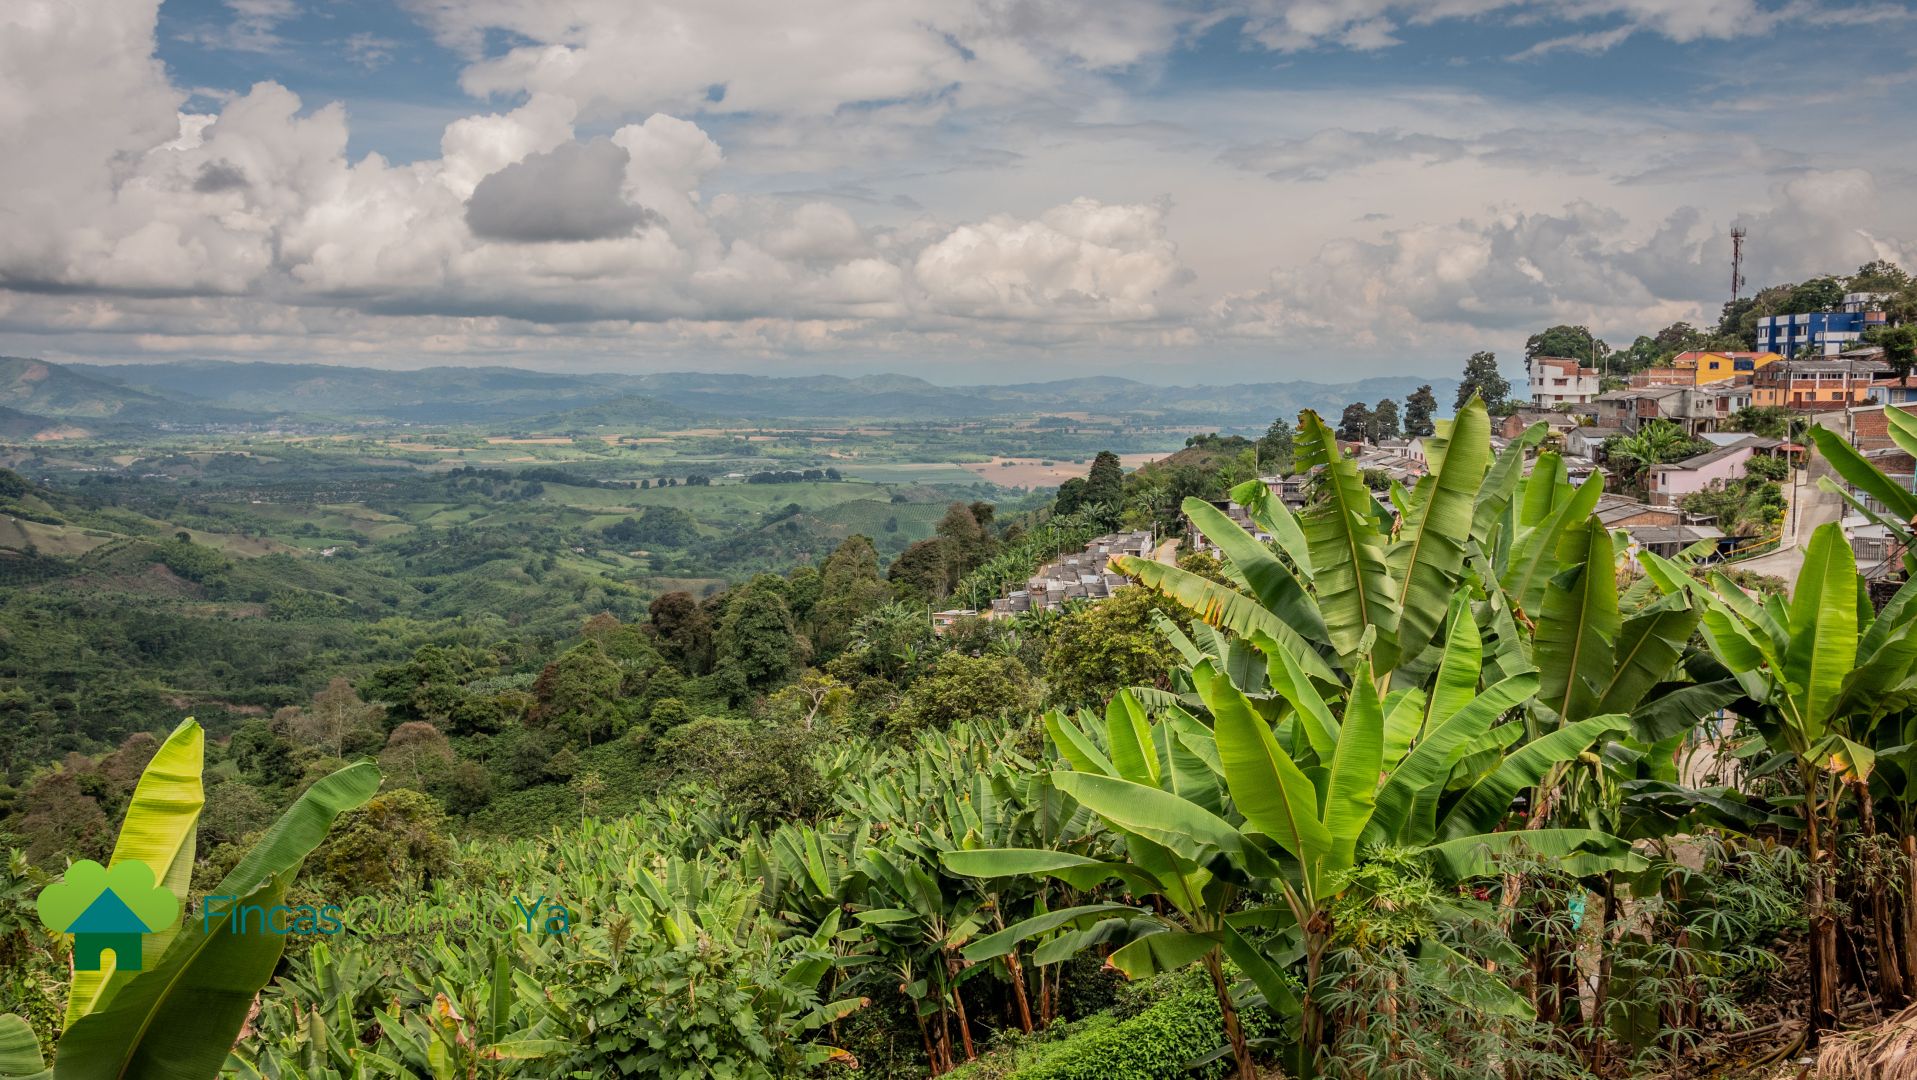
x,y
1813,507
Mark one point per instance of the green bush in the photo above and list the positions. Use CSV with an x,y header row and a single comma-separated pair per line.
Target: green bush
x,y
1156,1044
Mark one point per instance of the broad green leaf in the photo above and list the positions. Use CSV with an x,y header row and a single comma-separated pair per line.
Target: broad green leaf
x,y
1353,791
1321,730
1267,577
1079,871
1680,710
1225,608
1427,562
1489,800
1902,428
1429,762
1578,627
1167,950
1494,495
1404,718
1130,738
177,1019
1649,646
1187,775
1269,512
1270,980
1184,828
1266,785
1864,476
1534,554
1075,747
1458,671
1476,856
20,1051
1353,582
1823,619
995,945
160,828
1540,490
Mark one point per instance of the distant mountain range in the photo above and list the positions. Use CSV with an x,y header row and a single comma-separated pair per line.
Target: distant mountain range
x,y
38,396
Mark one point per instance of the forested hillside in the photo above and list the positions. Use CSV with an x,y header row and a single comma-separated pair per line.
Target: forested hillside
x,y
1456,798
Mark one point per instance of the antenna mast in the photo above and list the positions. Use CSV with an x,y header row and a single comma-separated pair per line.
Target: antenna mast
x,y
1737,262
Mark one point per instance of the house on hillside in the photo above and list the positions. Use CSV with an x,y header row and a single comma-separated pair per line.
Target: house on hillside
x,y
1666,484
1084,576
1560,380
1519,422
1815,385
1710,367
1588,441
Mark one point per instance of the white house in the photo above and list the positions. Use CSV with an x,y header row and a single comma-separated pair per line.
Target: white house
x,y
1558,380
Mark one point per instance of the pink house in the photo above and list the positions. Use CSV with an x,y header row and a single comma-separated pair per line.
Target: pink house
x,y
1667,484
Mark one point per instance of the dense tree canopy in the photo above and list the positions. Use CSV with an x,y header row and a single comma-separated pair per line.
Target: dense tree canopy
x,y
1482,378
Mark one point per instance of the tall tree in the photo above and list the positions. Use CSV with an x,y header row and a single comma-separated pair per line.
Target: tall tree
x,y
1355,424
919,571
1418,410
1481,377
966,544
1575,342
1384,420
849,586
1071,496
1105,483
1275,448
1817,294
756,640
682,629
1900,347
1878,276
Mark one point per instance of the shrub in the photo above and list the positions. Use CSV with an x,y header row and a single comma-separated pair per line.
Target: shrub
x,y
1156,1044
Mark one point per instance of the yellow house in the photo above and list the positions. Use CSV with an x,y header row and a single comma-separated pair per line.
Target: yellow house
x,y
1710,367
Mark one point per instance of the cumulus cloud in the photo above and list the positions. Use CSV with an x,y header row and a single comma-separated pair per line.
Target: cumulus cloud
x,y
1512,271
572,192
606,205
798,57
1084,260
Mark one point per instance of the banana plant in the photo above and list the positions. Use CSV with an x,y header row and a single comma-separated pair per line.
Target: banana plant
x,y
178,1016
1246,808
1817,675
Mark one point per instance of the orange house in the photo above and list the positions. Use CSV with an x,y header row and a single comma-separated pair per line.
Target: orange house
x,y
1710,367
1811,385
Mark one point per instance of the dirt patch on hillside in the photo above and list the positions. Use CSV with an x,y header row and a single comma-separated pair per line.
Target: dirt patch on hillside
x,y
1042,472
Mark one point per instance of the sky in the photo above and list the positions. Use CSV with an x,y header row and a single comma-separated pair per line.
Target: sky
x,y
964,190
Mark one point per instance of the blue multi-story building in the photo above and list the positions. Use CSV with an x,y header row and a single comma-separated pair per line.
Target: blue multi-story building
x,y
1821,333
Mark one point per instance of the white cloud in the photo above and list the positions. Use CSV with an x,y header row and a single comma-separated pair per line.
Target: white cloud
x,y
834,197
1475,278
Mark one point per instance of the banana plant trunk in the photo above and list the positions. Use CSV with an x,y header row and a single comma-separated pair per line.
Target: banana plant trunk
x,y
1601,989
1017,972
1823,922
1890,975
1908,843
1234,1032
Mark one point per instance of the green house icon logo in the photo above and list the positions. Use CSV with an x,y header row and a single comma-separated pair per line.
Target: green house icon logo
x,y
107,910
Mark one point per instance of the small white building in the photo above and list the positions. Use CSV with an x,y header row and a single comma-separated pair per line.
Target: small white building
x,y
1559,380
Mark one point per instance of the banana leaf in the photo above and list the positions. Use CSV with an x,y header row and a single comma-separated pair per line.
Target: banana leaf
x,y
20,1051
1427,562
177,1019
160,828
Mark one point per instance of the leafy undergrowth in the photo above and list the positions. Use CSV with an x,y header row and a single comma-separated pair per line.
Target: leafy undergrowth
x,y
1156,1031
